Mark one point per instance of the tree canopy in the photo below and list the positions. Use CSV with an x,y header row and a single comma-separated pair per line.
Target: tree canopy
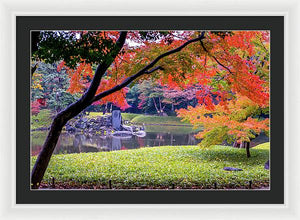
x,y
228,72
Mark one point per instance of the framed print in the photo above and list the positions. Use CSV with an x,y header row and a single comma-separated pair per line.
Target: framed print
x,y
182,179
236,91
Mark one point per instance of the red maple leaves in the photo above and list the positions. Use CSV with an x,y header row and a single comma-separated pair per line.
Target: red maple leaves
x,y
226,66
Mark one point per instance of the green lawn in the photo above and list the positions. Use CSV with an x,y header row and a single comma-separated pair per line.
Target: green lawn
x,y
129,116
96,114
38,137
125,116
146,119
42,120
264,146
183,166
152,119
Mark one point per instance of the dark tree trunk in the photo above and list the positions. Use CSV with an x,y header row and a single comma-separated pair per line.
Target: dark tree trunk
x,y
248,149
46,153
44,157
71,111
245,145
87,99
111,105
157,110
160,108
59,121
235,144
105,109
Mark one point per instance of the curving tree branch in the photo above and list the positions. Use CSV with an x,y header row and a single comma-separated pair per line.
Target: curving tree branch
x,y
145,70
205,49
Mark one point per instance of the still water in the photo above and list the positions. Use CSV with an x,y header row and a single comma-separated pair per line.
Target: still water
x,y
78,143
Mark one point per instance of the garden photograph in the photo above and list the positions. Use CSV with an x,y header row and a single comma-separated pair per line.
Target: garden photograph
x,y
150,110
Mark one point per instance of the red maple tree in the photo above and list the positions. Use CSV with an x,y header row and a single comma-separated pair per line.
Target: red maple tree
x,y
227,65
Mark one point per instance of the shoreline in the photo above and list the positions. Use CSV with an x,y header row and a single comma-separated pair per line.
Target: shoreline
x,y
47,128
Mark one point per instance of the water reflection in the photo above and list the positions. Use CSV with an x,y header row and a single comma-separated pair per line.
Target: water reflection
x,y
77,143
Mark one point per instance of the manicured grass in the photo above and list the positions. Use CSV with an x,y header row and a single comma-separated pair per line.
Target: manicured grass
x,y
38,137
96,114
42,120
183,166
264,146
151,119
125,116
146,119
129,116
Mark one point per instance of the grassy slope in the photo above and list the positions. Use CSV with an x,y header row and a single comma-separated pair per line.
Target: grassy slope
x,y
129,116
147,119
42,120
264,146
161,166
151,119
38,137
96,114
125,116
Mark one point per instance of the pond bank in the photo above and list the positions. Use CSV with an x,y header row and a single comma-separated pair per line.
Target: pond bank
x,y
97,121
183,125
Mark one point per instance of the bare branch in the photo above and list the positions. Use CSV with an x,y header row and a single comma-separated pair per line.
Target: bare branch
x,y
225,67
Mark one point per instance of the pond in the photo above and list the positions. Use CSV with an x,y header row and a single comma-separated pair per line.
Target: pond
x,y
155,136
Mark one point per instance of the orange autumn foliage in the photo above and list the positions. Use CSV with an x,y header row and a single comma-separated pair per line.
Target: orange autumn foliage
x,y
234,122
80,79
224,66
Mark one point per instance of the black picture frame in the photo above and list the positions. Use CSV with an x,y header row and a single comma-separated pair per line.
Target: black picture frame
x,y
25,24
